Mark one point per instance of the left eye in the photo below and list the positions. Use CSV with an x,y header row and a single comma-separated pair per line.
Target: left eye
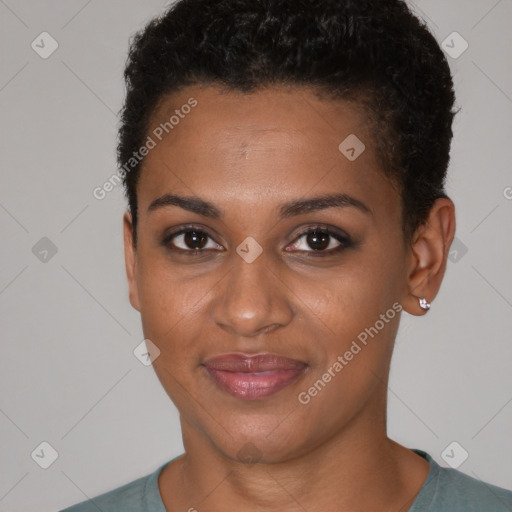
x,y
320,240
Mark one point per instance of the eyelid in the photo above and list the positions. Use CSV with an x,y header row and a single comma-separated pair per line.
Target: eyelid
x,y
176,230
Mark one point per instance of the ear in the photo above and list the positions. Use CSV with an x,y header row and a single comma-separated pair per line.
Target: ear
x,y
130,258
428,255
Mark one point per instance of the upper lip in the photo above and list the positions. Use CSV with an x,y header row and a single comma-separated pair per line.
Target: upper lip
x,y
253,363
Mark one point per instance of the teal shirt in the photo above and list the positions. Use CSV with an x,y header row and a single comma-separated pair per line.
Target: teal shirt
x,y
444,490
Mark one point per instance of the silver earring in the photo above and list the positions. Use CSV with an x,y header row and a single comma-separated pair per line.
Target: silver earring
x,y
424,304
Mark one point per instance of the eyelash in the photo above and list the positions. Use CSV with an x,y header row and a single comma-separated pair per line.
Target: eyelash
x,y
343,239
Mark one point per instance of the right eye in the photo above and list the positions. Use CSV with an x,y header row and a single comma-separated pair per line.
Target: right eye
x,y
190,240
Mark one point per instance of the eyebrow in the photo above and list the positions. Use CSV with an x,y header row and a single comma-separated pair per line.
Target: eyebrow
x,y
289,209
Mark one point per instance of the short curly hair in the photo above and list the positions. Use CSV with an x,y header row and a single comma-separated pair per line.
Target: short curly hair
x,y
374,51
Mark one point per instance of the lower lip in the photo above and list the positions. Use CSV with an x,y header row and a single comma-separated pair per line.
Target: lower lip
x,y
252,386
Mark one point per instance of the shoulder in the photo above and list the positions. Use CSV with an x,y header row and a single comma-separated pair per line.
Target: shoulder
x,y
131,497
126,498
471,493
450,490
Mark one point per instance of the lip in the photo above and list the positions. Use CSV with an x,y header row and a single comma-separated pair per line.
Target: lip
x,y
251,377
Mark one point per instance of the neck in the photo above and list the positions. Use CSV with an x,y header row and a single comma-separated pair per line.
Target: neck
x,y
335,475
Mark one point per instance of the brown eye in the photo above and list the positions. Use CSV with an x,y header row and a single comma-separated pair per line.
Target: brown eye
x,y
321,240
195,239
318,240
191,241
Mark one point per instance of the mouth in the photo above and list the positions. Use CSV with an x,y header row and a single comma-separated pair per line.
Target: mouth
x,y
253,377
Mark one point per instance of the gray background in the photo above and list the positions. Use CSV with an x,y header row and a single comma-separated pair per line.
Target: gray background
x,y
67,369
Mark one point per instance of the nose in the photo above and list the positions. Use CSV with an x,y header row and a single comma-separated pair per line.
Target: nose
x,y
253,300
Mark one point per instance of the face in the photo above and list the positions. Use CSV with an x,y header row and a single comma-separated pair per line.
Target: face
x,y
274,308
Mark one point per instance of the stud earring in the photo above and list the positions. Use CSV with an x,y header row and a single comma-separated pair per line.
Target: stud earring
x,y
424,304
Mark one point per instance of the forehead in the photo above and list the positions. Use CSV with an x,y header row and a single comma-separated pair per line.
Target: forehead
x,y
288,116
277,142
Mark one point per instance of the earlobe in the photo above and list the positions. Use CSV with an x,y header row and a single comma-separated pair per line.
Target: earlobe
x,y
130,257
428,257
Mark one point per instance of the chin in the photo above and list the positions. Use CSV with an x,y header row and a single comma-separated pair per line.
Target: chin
x,y
262,438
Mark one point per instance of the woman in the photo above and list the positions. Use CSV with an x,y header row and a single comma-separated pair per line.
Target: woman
x,y
284,163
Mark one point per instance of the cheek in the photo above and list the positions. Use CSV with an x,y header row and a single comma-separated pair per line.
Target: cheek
x,y
354,297
360,320
357,314
166,299
358,325
175,317
172,319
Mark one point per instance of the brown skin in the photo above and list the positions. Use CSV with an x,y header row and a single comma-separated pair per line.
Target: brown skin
x,y
248,154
